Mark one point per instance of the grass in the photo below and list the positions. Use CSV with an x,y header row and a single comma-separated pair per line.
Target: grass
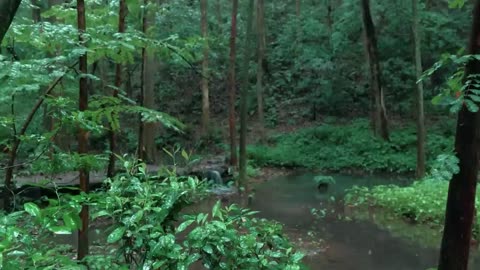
x,y
349,146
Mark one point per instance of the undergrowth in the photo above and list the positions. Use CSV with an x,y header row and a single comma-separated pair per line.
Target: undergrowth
x,y
350,146
423,202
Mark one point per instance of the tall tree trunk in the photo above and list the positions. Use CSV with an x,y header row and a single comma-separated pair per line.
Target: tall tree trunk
x,y
260,64
204,83
36,11
232,86
297,8
82,134
149,129
218,11
421,133
122,13
244,98
141,130
455,249
380,122
8,8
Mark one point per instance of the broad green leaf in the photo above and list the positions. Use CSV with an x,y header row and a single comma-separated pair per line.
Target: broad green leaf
x,y
116,235
184,225
32,209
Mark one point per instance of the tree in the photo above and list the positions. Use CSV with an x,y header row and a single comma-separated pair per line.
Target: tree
x,y
420,172
8,8
205,100
244,98
232,85
260,64
82,133
379,119
455,248
122,13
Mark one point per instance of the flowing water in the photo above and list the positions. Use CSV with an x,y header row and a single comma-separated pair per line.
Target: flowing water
x,y
340,243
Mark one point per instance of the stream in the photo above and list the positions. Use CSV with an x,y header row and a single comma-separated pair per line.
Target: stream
x,y
347,244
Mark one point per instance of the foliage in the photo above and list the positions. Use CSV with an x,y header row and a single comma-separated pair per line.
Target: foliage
x,y
348,146
146,230
422,202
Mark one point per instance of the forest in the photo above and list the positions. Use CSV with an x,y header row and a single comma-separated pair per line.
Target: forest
x,y
228,134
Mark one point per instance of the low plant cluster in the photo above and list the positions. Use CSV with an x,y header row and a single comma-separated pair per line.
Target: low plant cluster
x,y
349,146
422,202
147,229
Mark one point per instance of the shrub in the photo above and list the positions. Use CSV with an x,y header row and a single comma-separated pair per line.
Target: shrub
x,y
349,146
148,230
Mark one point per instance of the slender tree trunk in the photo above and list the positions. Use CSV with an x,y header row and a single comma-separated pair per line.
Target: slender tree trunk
x,y
149,129
36,11
16,144
298,7
82,134
232,86
8,8
218,11
205,99
421,133
380,122
141,143
122,13
260,64
244,98
455,249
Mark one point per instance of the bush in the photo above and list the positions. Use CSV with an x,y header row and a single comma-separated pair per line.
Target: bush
x,y
423,202
148,230
349,146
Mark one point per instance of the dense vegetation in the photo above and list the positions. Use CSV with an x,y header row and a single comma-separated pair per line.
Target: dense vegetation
x,y
336,86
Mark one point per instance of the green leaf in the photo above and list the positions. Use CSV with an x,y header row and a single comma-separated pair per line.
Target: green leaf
x,y
216,210
208,249
32,209
72,220
184,225
116,235
60,229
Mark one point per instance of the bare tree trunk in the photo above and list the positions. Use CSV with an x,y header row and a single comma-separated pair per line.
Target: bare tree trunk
x,y
297,8
8,8
122,13
260,65
380,122
244,98
205,99
218,11
141,143
232,86
36,11
149,129
421,133
82,134
455,249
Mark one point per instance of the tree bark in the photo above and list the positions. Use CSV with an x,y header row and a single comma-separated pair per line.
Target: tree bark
x,y
421,132
380,122
8,8
455,249
232,86
82,134
244,99
260,64
122,13
141,143
204,83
